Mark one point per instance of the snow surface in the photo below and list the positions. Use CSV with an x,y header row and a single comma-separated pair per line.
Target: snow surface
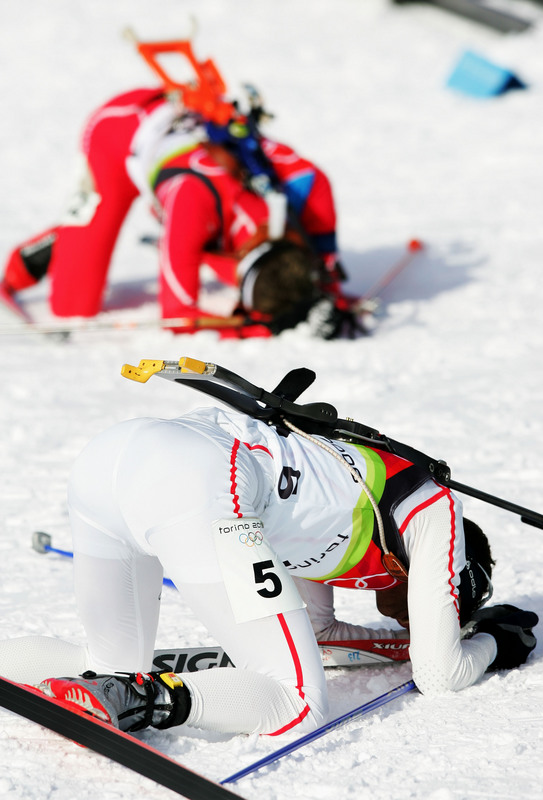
x,y
454,367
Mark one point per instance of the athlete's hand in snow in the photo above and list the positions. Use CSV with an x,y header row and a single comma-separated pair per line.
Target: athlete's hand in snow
x,y
512,629
329,319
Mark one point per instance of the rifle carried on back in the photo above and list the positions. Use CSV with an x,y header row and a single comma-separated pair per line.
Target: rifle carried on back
x,y
316,418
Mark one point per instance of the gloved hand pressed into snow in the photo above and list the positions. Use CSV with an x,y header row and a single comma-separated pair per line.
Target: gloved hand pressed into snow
x,y
129,702
330,319
511,627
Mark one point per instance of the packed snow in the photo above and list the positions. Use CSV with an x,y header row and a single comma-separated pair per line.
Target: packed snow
x,y
453,366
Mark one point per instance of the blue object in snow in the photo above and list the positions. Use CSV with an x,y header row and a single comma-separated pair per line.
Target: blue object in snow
x,y
478,77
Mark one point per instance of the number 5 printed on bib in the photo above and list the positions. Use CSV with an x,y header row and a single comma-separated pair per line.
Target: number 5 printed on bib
x,y
257,583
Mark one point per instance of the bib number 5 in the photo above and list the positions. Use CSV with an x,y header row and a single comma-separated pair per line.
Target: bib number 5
x,y
263,573
257,583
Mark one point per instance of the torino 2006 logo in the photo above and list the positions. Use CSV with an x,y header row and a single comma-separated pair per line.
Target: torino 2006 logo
x,y
251,539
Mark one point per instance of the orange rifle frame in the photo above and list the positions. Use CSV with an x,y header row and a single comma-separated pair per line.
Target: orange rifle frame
x,y
205,96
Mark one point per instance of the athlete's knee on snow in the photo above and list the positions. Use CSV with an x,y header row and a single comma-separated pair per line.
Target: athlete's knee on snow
x,y
304,708
299,710
431,679
317,701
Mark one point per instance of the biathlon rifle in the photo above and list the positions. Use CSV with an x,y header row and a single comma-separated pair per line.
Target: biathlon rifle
x,y
205,95
317,418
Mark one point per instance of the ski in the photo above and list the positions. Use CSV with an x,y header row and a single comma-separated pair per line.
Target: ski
x,y
23,324
108,741
334,655
352,653
476,11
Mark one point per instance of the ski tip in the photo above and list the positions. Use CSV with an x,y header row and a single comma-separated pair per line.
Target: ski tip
x,y
415,244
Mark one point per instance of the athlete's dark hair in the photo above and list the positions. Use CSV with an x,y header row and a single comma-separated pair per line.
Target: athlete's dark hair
x,y
287,283
475,577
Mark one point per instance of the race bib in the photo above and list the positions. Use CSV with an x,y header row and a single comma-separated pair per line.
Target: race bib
x,y
257,583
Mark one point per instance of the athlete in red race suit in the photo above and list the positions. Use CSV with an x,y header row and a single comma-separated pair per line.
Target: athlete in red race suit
x,y
140,144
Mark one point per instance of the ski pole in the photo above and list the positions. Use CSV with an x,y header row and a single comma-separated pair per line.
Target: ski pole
x,y
372,295
310,737
41,543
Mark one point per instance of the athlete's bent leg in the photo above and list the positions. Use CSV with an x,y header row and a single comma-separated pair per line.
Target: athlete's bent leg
x,y
199,474
278,684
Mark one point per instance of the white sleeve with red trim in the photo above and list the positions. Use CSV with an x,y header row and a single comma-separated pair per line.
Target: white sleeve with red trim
x,y
431,523
319,599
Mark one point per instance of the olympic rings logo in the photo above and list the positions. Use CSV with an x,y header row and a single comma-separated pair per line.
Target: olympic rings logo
x,y
251,539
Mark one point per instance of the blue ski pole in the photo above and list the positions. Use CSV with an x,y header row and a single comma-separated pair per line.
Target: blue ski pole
x,y
42,543
310,737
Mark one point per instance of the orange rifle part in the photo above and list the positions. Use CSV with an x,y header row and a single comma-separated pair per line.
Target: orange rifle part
x,y
205,94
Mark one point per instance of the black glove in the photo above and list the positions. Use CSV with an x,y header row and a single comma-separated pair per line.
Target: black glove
x,y
512,629
329,321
